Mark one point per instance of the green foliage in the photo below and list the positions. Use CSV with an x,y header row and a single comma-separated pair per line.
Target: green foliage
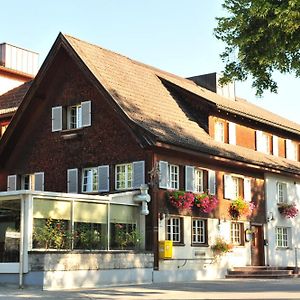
x,y
261,36
125,238
221,247
87,238
53,234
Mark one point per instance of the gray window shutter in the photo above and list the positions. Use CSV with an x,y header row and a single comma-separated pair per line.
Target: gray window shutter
x,y
138,173
86,110
228,187
103,178
56,118
163,174
275,145
247,189
72,181
212,182
39,181
11,183
232,133
189,178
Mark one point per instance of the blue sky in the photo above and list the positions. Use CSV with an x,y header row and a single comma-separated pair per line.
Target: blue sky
x,y
173,35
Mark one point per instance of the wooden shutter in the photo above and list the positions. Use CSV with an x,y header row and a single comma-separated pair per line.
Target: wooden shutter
x,y
247,189
232,133
56,118
275,145
212,182
163,174
73,181
86,110
11,183
39,181
228,187
189,178
259,142
103,178
138,173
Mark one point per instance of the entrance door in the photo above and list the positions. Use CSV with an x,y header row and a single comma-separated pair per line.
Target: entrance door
x,y
257,246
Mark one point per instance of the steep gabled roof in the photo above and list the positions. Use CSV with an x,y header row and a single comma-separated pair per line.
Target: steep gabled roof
x,y
10,101
139,93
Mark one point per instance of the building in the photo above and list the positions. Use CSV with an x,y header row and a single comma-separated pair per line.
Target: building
x,y
93,128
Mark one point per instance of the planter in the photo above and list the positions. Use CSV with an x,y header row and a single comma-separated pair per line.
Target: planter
x,y
288,210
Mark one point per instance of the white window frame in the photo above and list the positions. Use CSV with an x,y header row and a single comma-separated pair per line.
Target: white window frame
x,y
123,170
173,177
173,230
199,188
199,231
282,192
291,150
74,116
90,180
30,183
236,237
220,131
263,142
282,237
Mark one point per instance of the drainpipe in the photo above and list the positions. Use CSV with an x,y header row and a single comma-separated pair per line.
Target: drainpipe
x,y
21,247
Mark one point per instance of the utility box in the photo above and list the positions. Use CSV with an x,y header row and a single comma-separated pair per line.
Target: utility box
x,y
165,249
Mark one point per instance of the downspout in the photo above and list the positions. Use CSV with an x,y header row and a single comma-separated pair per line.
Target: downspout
x,y
21,247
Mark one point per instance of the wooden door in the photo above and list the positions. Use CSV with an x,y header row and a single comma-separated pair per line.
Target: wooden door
x,y
257,246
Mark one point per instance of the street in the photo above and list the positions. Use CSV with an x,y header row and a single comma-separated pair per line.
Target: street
x,y
217,289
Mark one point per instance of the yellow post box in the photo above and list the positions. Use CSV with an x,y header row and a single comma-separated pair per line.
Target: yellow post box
x,y
165,249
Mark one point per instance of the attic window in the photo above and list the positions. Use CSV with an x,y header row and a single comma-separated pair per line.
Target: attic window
x,y
71,117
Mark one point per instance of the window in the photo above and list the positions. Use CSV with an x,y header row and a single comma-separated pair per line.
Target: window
x,y
90,180
3,128
74,115
199,231
174,229
124,174
27,182
263,141
236,233
282,237
281,192
174,177
220,131
291,150
71,117
199,181
233,187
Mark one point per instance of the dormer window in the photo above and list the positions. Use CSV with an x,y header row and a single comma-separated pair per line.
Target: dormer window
x,y
263,142
291,150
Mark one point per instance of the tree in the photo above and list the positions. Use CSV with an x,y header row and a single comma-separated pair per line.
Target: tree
x,y
261,36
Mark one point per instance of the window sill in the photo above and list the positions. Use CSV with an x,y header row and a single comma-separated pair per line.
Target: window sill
x,y
70,134
199,245
283,248
178,244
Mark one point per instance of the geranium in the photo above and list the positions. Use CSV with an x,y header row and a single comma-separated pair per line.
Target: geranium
x,y
288,210
184,201
221,247
207,203
240,207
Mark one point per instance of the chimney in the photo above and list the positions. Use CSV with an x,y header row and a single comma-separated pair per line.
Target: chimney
x,y
210,81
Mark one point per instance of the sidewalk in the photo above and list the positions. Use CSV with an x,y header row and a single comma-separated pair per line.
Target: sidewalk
x,y
218,289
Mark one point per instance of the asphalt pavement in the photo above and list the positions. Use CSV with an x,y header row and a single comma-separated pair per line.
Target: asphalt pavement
x,y
218,289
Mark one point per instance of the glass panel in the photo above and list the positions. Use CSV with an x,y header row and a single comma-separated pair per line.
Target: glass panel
x,y
44,209
10,214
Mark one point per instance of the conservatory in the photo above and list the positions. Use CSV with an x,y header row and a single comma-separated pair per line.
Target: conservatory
x,y
57,240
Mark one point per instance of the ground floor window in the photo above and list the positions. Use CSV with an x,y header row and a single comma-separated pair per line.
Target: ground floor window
x,y
199,231
236,233
174,230
282,237
10,214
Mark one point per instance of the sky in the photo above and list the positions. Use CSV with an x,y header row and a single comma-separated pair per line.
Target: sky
x,y
173,35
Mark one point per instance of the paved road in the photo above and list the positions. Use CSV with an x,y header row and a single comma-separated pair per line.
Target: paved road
x,y
218,289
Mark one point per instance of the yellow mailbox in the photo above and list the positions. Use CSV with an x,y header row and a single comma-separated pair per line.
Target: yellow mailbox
x,y
165,249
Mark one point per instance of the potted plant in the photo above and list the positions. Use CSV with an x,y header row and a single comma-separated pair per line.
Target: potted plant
x,y
239,208
288,210
207,203
221,247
